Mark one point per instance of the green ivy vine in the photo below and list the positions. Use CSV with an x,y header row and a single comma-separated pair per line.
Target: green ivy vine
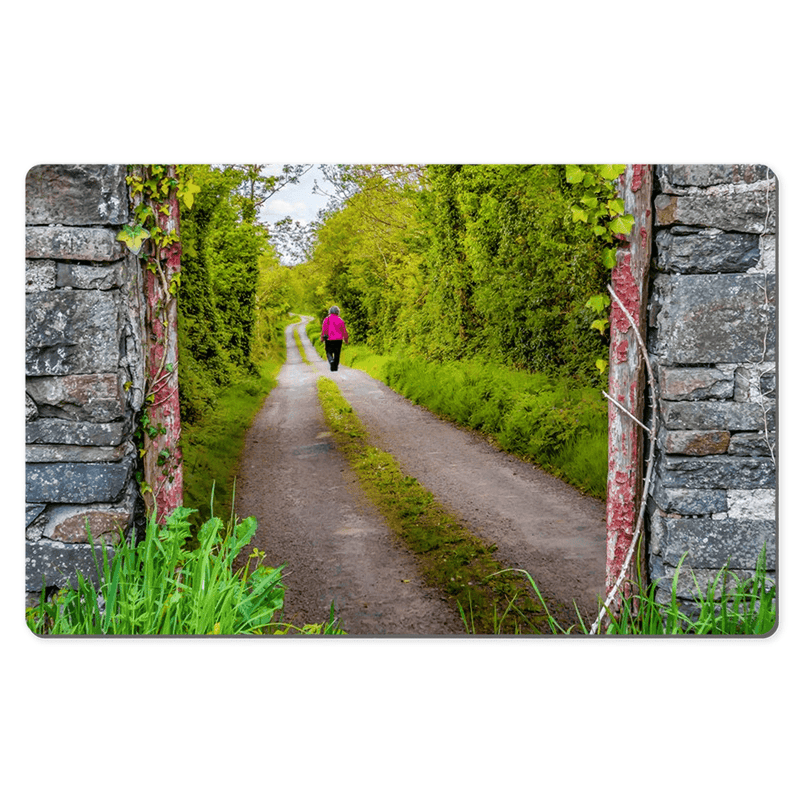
x,y
151,187
603,211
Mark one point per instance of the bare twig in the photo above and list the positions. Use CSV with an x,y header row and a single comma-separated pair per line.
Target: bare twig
x,y
627,413
650,462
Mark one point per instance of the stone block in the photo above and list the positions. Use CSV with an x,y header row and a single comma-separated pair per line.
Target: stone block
x,y
40,276
751,444
58,431
76,194
696,443
62,453
695,383
703,319
73,244
768,248
83,276
703,250
754,383
31,411
70,526
743,208
713,544
715,472
703,175
96,398
71,332
707,415
752,504
76,483
32,511
690,501
693,583
56,564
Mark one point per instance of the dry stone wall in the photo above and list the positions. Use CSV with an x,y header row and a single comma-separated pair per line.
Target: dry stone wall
x,y
84,369
712,341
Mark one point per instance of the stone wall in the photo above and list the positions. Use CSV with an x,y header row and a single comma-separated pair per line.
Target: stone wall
x,y
84,369
712,341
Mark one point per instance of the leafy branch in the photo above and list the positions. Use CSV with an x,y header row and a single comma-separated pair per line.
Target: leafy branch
x,y
603,212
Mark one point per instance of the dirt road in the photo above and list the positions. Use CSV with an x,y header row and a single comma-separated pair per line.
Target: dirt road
x,y
313,515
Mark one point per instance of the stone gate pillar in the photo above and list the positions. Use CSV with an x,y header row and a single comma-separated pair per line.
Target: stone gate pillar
x,y
84,369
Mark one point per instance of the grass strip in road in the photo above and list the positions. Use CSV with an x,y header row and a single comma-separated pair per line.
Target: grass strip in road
x,y
450,557
300,347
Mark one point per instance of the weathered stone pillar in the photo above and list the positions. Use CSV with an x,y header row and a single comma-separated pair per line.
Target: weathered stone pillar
x,y
713,340
84,368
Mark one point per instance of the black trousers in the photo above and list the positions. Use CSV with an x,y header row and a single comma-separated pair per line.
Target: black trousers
x,y
333,349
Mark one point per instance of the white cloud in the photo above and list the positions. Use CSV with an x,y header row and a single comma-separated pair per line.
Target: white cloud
x,y
280,208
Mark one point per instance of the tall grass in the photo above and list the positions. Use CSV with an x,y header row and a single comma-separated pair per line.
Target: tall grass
x,y
727,605
165,585
162,587
212,446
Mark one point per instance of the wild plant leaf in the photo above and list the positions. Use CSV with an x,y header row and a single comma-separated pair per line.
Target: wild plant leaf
x,y
622,225
579,214
133,237
598,302
609,172
616,206
574,173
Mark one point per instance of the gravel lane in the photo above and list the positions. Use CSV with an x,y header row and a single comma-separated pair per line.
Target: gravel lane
x,y
538,522
313,516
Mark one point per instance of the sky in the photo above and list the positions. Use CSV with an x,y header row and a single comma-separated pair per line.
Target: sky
x,y
297,201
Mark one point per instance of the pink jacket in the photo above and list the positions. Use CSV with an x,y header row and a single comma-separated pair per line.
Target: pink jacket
x,y
333,326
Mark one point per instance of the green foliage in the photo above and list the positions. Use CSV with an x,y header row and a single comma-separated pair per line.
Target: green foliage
x,y
212,445
600,211
161,586
726,606
234,295
173,583
465,261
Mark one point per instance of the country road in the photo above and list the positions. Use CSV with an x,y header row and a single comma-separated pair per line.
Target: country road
x,y
313,516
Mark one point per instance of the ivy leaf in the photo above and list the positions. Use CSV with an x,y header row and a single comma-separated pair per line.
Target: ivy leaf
x,y
133,237
187,192
579,214
609,172
590,201
598,302
610,257
601,364
616,206
600,325
574,173
621,225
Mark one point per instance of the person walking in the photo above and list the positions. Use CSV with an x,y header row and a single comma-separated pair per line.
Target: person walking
x,y
334,331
